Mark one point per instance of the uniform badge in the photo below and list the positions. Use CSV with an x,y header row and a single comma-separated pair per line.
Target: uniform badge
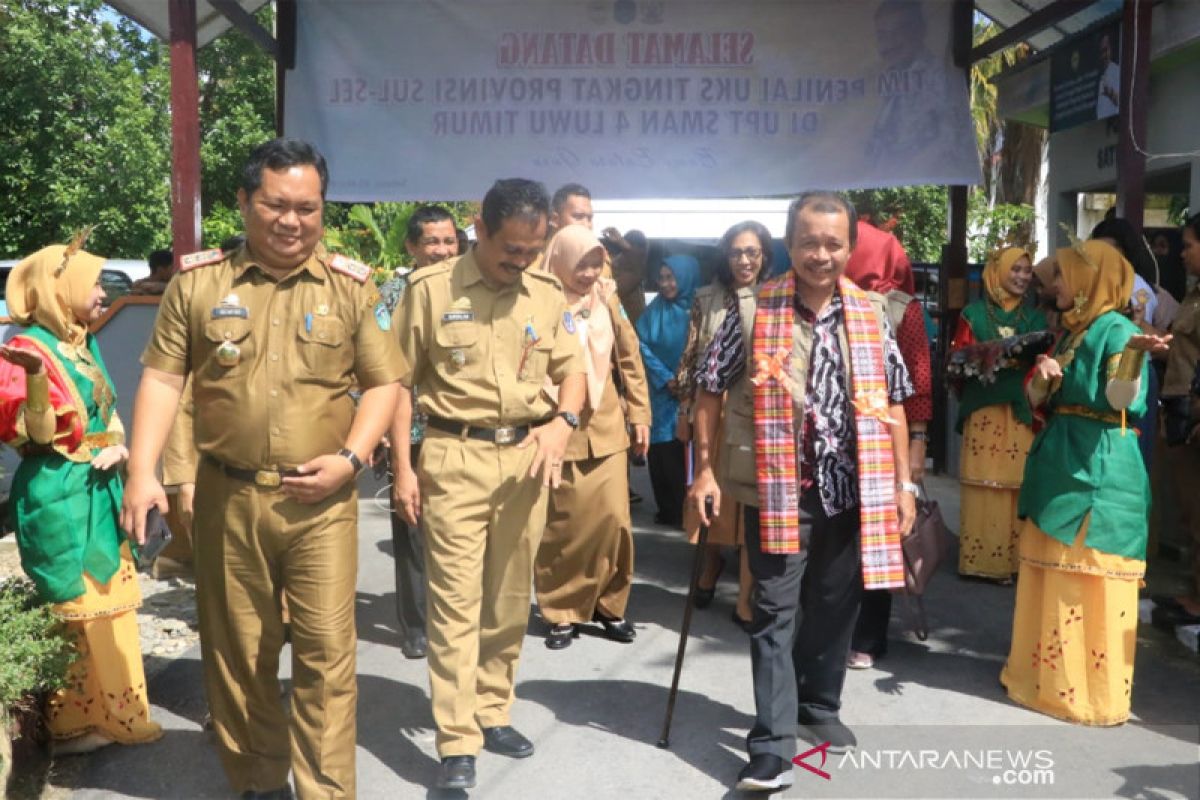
x,y
322,310
230,299
382,317
201,259
569,321
1005,331
458,357
351,268
228,354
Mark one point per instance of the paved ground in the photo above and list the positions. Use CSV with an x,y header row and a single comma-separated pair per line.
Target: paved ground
x,y
932,718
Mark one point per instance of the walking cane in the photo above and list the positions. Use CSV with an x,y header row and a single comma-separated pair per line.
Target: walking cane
x,y
664,741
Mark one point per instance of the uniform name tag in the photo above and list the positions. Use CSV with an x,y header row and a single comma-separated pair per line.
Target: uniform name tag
x,y
458,316
226,312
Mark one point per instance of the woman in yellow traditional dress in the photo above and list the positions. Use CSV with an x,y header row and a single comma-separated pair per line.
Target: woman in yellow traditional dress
x,y
995,420
57,408
1084,501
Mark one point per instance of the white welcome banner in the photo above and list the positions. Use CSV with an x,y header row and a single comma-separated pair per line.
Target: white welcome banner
x,y
435,99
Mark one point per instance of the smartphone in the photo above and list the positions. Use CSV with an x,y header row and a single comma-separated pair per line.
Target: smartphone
x,y
157,537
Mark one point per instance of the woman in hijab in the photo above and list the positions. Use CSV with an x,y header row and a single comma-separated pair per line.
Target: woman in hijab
x,y
663,329
57,409
995,420
1084,501
584,567
879,264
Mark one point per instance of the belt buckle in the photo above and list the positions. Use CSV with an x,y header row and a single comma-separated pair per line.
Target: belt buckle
x,y
506,435
268,479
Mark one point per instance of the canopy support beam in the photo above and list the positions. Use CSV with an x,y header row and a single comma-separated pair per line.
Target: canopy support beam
x,y
185,130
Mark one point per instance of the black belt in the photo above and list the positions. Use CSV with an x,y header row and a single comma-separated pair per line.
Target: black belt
x,y
511,434
265,478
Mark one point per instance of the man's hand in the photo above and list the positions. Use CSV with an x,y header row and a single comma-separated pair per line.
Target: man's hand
x,y
406,494
141,492
318,478
110,457
703,487
551,442
641,440
906,510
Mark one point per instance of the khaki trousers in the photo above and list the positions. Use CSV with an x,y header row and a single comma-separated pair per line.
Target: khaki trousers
x,y
483,518
585,561
253,547
1184,461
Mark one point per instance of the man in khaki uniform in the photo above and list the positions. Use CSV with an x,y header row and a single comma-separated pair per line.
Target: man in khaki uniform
x,y
273,335
482,333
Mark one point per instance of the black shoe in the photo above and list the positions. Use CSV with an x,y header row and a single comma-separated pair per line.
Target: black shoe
x,y
841,739
560,636
704,597
458,772
619,630
634,498
746,625
504,740
414,646
284,793
765,773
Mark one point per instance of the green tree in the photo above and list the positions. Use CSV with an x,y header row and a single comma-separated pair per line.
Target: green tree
x,y
84,129
915,214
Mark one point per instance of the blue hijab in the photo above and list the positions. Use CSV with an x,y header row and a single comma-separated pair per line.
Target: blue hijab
x,y
663,326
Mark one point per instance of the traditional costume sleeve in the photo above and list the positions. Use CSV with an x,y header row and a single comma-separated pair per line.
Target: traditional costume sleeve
x,y
964,335
1124,378
629,364
37,408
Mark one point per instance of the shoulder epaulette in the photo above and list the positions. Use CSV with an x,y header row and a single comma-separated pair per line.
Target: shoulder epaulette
x,y
349,267
202,259
542,275
422,273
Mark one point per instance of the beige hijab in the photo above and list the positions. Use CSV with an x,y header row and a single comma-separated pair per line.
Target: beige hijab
x,y
43,287
996,270
1100,279
593,323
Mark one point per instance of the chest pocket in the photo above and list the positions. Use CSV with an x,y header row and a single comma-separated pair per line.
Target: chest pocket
x,y
537,361
457,353
325,352
230,347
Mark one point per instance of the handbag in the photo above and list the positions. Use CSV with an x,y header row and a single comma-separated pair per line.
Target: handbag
x,y
924,550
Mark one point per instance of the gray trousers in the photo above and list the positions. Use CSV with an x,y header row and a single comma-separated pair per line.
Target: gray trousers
x,y
805,607
408,550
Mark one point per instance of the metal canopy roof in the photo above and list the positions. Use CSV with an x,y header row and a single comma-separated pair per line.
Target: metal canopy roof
x,y
153,15
1007,13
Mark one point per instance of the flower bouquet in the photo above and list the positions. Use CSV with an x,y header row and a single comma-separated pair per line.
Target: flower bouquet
x,y
984,361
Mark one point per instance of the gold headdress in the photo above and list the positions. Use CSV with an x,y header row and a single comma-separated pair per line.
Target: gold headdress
x,y
74,246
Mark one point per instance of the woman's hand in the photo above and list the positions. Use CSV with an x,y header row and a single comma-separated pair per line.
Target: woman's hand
x,y
26,359
1047,368
110,457
1149,343
683,426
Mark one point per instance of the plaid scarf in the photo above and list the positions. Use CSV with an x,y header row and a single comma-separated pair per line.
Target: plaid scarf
x,y
777,435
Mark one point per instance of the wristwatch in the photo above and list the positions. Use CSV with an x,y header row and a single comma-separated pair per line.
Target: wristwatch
x,y
920,436
570,419
908,486
354,460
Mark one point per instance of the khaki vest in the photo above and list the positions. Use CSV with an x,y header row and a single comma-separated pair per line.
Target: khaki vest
x,y
738,473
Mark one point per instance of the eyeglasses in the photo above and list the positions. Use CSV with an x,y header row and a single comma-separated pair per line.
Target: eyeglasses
x,y
752,253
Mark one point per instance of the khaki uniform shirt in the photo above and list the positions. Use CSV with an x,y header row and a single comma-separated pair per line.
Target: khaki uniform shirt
x,y
301,344
603,431
1185,347
481,355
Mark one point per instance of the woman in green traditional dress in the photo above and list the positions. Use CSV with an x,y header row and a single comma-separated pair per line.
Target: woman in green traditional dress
x,y
995,420
57,409
1084,502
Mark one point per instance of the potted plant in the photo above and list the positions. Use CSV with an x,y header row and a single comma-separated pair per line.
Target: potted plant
x,y
35,653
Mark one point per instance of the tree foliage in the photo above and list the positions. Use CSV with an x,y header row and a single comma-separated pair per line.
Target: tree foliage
x,y
84,129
